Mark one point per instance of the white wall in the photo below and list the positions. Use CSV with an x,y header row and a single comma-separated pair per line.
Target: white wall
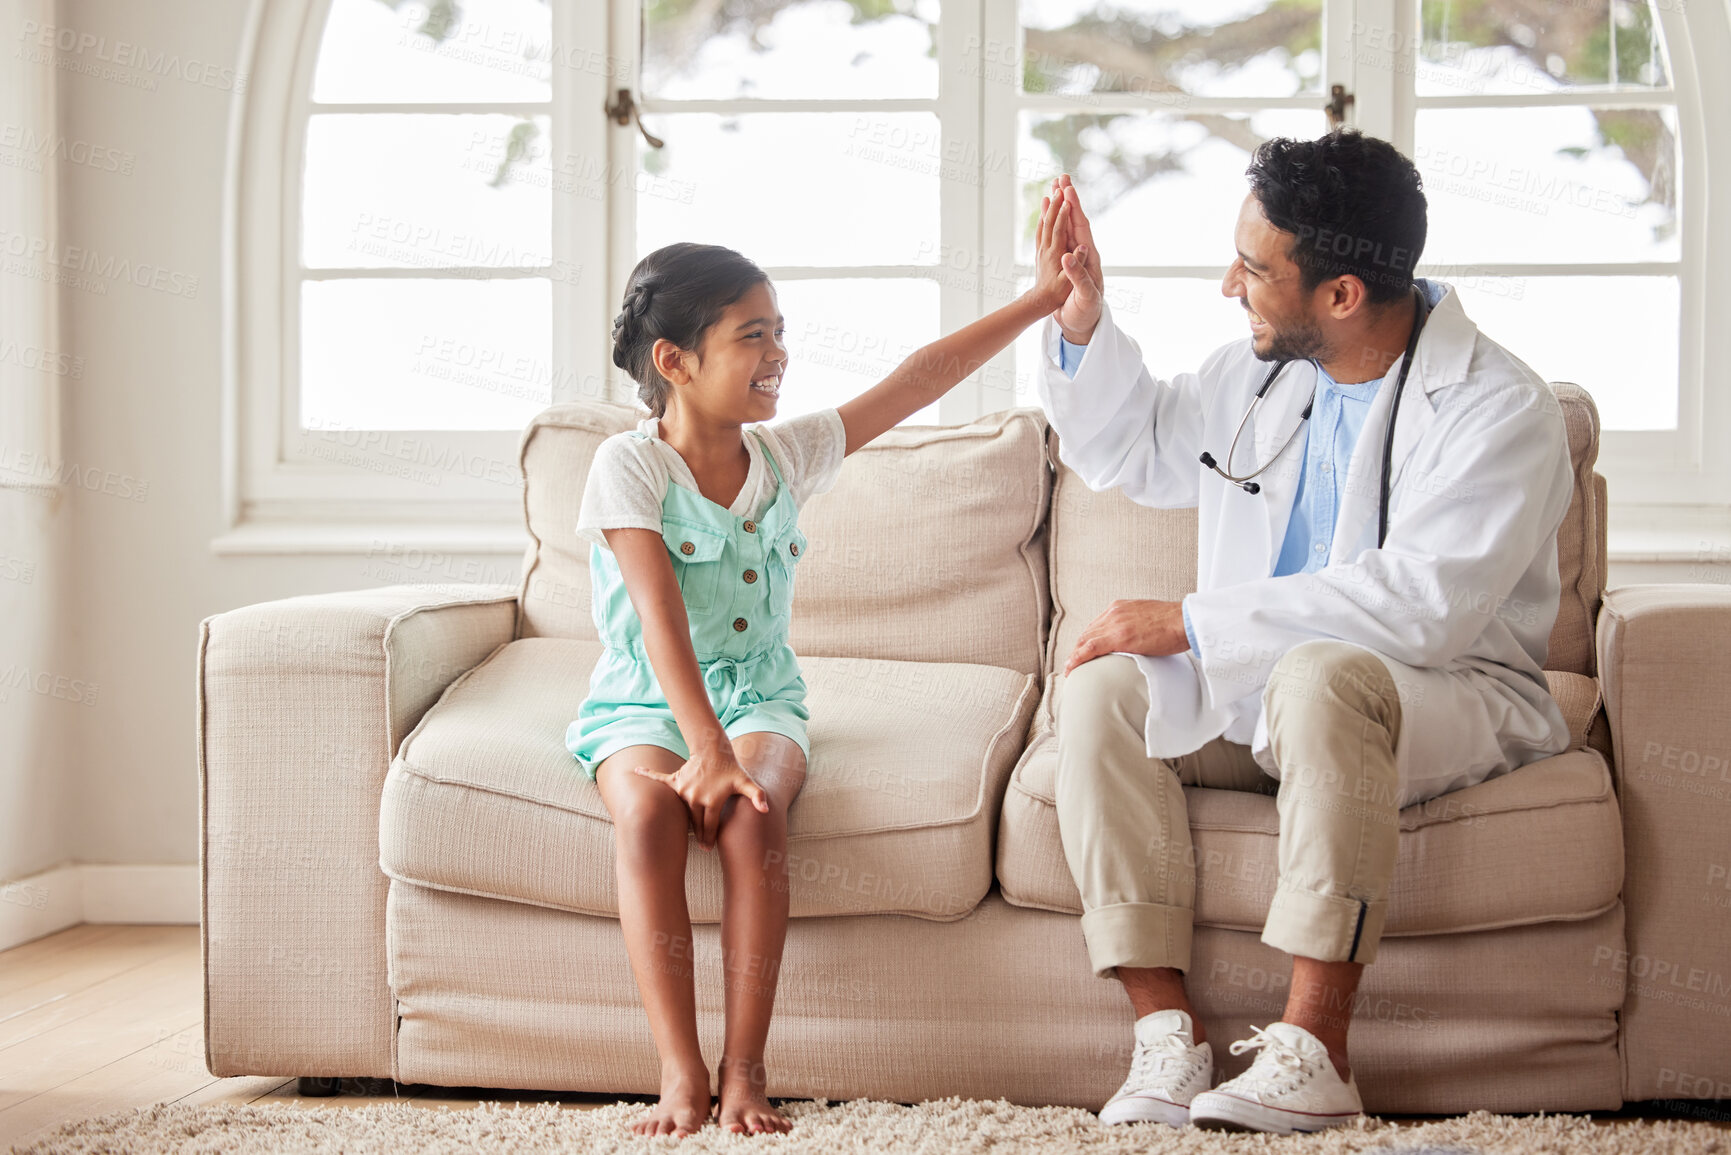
x,y
36,690
146,408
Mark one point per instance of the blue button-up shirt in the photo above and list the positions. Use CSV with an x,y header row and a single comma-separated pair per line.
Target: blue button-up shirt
x,y
1336,420
1335,423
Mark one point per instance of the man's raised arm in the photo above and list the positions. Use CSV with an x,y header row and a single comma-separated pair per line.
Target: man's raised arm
x,y
1118,427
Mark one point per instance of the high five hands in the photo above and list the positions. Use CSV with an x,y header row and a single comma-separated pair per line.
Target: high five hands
x,y
1064,248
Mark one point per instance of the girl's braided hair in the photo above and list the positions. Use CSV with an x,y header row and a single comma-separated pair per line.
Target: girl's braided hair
x,y
675,294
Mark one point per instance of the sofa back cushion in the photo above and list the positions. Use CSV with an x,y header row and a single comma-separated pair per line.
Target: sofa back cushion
x,y
1104,547
554,456
930,547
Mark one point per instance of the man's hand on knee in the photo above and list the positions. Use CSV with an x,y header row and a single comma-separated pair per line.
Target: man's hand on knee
x,y
1149,627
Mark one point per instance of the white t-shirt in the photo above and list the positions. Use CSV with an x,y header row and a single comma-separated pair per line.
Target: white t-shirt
x,y
629,476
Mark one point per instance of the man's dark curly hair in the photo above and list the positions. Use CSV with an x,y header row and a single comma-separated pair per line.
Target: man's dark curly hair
x,y
1353,204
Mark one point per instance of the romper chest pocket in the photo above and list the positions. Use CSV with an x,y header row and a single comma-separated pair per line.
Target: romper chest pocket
x,y
787,551
696,552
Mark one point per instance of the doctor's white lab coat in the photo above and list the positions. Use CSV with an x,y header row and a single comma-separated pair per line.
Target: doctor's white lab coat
x,y
1458,602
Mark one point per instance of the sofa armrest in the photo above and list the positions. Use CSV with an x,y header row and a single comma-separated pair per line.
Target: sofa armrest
x,y
301,705
1665,667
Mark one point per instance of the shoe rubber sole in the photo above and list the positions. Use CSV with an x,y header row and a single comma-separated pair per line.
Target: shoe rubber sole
x,y
1227,1113
1144,1109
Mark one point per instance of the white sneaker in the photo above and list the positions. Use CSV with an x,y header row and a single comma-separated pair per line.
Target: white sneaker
x,y
1167,1070
1292,1086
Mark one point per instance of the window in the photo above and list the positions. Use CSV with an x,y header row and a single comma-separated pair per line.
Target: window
x,y
1548,145
1155,113
406,244
809,136
1548,142
454,218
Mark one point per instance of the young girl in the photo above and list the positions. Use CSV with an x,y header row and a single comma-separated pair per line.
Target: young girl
x,y
697,698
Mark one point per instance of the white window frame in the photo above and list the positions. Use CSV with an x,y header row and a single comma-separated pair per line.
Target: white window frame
x,y
276,505
1645,471
957,108
279,500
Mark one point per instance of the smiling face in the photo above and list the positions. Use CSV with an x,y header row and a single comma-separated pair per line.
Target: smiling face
x,y
734,376
1270,286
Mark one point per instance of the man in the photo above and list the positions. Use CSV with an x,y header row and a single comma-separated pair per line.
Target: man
x,y
1364,667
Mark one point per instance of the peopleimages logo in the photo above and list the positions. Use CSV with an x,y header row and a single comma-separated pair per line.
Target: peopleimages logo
x,y
88,52
49,254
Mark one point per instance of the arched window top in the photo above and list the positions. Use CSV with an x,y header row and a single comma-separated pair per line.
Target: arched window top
x,y
442,52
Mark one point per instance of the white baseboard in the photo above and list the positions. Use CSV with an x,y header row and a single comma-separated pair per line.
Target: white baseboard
x,y
41,904
141,893
76,892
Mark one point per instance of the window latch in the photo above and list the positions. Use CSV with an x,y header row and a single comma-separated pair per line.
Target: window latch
x,y
623,110
1339,100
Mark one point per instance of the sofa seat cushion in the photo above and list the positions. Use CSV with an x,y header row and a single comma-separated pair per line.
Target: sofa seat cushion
x,y
897,816
1540,844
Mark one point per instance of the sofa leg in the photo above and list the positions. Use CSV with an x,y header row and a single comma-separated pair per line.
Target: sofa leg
x,y
317,1087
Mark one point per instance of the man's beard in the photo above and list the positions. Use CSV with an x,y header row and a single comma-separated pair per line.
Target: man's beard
x,y
1298,342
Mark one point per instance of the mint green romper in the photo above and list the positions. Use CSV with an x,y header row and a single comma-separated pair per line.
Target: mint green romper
x,y
737,579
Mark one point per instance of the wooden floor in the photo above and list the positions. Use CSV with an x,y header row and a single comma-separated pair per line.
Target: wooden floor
x,y
106,1018
99,1019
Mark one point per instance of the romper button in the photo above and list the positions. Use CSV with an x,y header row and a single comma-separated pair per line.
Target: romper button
x,y
687,547
793,548
751,527
739,625
750,576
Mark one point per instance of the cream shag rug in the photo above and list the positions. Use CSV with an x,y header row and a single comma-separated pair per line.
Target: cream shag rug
x,y
934,1128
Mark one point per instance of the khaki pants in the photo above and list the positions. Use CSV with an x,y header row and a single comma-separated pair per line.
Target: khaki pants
x,y
1333,723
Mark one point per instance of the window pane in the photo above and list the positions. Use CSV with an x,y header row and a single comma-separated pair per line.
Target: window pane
x,y
1629,364
795,188
1549,184
1161,187
845,335
791,49
425,354
388,191
1193,47
436,50
1177,321
1512,46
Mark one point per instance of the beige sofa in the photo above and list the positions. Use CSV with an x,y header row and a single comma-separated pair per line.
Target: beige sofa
x,y
405,876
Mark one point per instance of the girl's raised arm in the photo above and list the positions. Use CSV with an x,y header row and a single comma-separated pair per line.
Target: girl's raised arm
x,y
930,372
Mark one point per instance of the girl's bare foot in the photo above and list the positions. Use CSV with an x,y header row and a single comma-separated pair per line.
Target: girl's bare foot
x,y
684,1107
745,1109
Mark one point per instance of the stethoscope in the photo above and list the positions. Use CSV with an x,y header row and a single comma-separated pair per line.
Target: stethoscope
x,y
1421,311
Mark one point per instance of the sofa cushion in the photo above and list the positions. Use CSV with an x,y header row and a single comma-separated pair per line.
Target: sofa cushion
x,y
1104,546
1580,539
930,547
1540,844
897,816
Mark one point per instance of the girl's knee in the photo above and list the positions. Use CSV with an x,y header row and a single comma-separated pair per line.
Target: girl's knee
x,y
775,762
750,829
649,817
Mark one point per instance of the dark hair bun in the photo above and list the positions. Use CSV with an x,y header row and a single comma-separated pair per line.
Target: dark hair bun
x,y
675,294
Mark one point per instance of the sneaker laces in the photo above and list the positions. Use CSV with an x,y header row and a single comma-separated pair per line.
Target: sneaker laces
x,y
1151,1058
1278,1068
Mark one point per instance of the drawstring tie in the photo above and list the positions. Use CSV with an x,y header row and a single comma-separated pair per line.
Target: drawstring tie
x,y
726,688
